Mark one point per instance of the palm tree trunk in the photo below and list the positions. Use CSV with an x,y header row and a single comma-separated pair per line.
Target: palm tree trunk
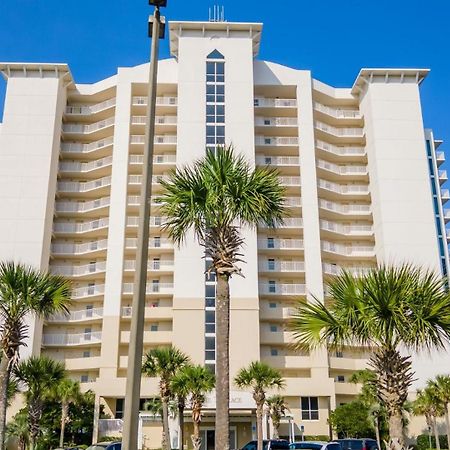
x,y
196,439
5,375
259,425
436,434
34,414
181,424
377,432
64,412
276,427
447,423
222,438
166,444
396,429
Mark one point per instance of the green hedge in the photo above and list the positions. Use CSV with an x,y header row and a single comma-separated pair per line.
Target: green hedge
x,y
423,441
320,437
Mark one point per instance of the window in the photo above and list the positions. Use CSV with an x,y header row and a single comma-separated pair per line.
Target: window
x,y
156,241
156,264
87,334
339,354
272,287
310,408
119,408
210,321
273,328
270,242
270,264
84,378
273,352
89,310
210,349
154,327
272,305
86,354
155,285
340,379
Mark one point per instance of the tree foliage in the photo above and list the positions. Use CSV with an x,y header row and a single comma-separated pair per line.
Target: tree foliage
x,y
352,420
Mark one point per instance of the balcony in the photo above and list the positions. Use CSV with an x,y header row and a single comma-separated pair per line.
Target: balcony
x,y
337,113
442,174
276,141
348,363
170,139
446,214
78,316
288,362
262,102
159,120
346,230
77,167
77,364
81,128
156,313
93,268
281,289
162,265
275,337
78,147
80,227
280,244
278,313
282,266
345,151
277,161
292,222
79,249
160,101
440,158
156,179
86,110
83,186
445,195
340,132
72,339
290,181
135,200
334,269
276,122
447,234
152,288
155,221
157,159
342,170
292,202
150,337
88,291
81,207
345,209
160,243
348,250
344,189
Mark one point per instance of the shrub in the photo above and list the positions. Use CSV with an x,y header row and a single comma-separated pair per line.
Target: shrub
x,y
423,441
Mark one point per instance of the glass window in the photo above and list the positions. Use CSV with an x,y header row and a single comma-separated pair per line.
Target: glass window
x,y
220,68
273,328
210,68
86,354
210,322
272,286
270,242
273,352
310,408
272,305
154,327
271,264
84,378
340,379
210,290
210,89
119,408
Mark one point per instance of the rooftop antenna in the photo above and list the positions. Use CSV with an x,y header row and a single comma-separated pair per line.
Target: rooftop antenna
x,y
217,14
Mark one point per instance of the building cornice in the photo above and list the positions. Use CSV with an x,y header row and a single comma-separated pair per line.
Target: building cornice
x,y
36,70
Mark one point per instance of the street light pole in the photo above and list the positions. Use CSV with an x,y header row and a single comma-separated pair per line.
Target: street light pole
x,y
135,349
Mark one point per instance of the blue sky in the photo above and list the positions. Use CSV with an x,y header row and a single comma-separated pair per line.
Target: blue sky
x,y
333,39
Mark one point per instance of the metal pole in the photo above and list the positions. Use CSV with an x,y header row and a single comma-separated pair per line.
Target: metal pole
x,y
135,350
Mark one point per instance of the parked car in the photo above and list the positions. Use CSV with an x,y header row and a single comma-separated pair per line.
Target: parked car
x,y
358,444
106,446
316,445
272,444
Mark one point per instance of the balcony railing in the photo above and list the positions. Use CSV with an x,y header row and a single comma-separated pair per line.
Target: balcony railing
x,y
337,113
445,194
291,222
354,229
79,271
440,158
155,221
87,128
135,200
156,179
275,102
292,202
290,181
334,269
163,264
281,289
339,131
88,291
80,227
74,316
276,141
157,159
160,101
152,288
347,250
344,189
282,266
83,110
72,166
276,121
340,150
83,186
131,243
341,169
79,249
344,209
72,339
277,161
159,139
80,207
78,147
159,120
280,244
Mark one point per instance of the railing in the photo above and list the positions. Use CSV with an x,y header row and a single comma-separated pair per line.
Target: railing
x,y
87,128
276,141
152,288
83,186
77,249
340,151
156,179
80,227
78,147
347,250
159,120
440,157
153,243
340,132
290,181
334,269
291,222
72,166
337,112
282,266
163,264
342,170
159,139
160,101
90,109
110,427
80,207
84,314
72,339
445,194
157,159
276,121
442,175
88,291
155,221
344,209
280,244
281,289
135,200
346,229
277,160
348,189
292,201
77,271
275,102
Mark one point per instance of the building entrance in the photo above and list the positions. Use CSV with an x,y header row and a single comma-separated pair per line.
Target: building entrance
x,y
208,437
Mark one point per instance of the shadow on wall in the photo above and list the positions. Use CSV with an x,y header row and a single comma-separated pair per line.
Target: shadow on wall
x,y
2,96
264,73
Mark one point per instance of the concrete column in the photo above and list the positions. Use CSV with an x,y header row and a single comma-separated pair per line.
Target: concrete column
x,y
96,419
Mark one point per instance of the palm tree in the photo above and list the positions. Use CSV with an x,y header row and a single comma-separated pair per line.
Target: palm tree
x,y
18,428
441,385
164,362
214,197
66,391
180,390
385,309
277,409
23,292
260,377
39,374
154,405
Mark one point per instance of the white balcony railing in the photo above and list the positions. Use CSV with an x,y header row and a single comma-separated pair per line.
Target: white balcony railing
x,y
83,110
276,141
340,150
280,244
275,102
75,316
339,131
353,229
276,121
155,221
79,249
440,158
345,209
152,288
282,266
445,194
72,339
80,207
156,179
78,147
290,181
292,202
281,289
337,113
157,159
341,169
87,128
159,120
80,227
344,189
348,250
88,291
79,271
155,265
159,139
72,166
164,243
277,160
334,269
160,101
83,186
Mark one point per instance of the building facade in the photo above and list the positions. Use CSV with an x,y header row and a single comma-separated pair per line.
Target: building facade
x,y
363,187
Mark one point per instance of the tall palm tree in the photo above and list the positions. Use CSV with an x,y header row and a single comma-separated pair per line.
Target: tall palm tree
x,y
277,409
23,292
214,197
180,390
39,375
259,377
67,391
164,362
441,384
385,309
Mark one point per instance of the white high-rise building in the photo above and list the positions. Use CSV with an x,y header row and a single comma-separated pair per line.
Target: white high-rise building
x,y
363,186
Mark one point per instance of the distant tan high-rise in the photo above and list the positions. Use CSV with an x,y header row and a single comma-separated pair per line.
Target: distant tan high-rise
x,y
363,186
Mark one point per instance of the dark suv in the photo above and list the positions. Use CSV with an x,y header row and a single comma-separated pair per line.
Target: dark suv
x,y
358,444
272,444
106,446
